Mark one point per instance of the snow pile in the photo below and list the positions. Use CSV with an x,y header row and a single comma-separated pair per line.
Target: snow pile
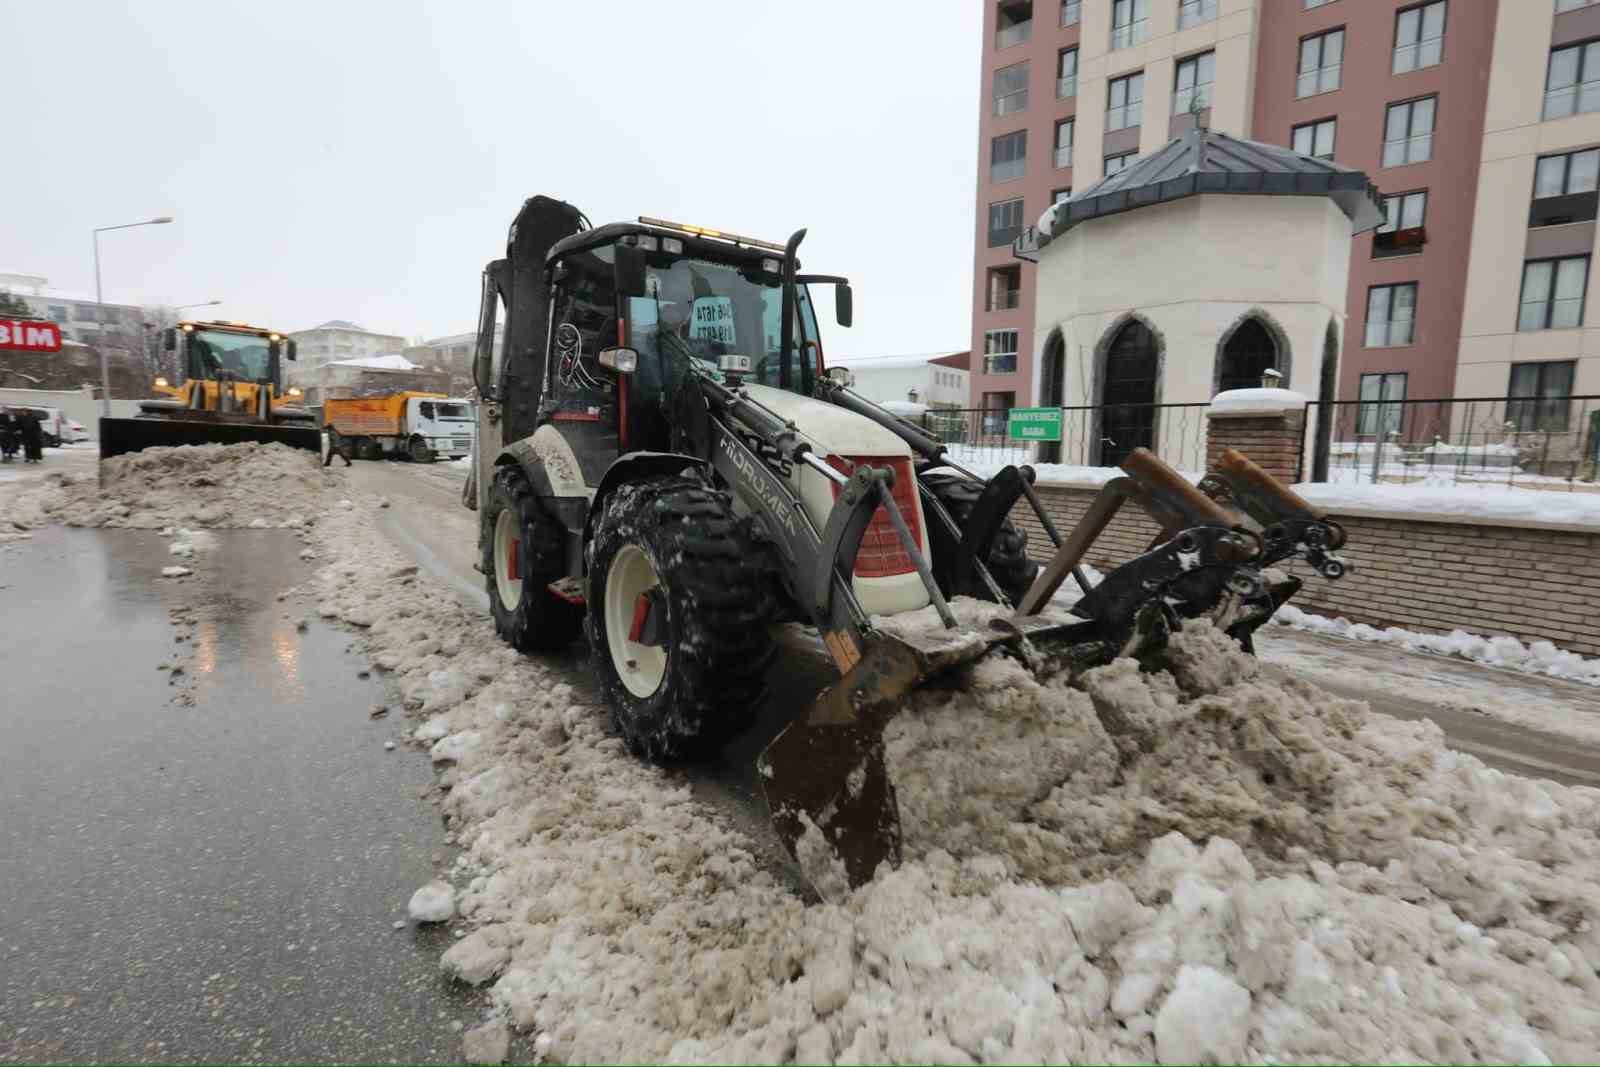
x,y
1490,502
1263,400
1538,657
245,485
1202,863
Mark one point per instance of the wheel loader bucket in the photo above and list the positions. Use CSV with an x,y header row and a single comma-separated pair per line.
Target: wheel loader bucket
x,y
118,436
825,777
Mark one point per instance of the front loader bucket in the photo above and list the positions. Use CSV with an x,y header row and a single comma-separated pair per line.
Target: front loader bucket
x,y
118,436
825,777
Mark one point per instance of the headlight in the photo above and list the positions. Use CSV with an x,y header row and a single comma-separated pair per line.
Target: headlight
x,y
294,390
161,383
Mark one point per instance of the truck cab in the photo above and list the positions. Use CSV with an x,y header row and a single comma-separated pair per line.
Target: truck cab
x,y
447,425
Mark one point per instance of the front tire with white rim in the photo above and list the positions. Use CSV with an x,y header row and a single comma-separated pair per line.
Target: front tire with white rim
x,y
522,555
680,602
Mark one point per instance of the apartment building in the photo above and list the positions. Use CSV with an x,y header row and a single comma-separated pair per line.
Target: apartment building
x,y
1529,328
337,339
1073,90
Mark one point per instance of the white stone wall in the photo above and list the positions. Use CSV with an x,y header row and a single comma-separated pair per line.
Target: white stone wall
x,y
1192,269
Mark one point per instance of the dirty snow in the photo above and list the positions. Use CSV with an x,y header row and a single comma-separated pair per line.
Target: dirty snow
x,y
246,485
433,903
1198,863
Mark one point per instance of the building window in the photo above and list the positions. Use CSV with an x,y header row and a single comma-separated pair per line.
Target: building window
x,y
1408,132
1552,293
1005,288
1192,86
1071,12
83,313
1008,156
1015,23
58,314
1380,408
1321,63
1118,162
1573,82
1564,188
1064,143
1011,89
1194,12
1543,392
1309,4
1391,314
1419,37
1060,194
1000,352
1067,73
1315,139
1401,232
1005,222
1125,100
1130,21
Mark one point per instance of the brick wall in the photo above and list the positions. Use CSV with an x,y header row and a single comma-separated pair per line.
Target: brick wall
x,y
1531,584
1272,441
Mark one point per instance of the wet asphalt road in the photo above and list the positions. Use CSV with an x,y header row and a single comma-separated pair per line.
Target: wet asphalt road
x,y
204,867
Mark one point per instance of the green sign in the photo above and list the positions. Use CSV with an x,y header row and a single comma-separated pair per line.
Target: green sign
x,y
1034,424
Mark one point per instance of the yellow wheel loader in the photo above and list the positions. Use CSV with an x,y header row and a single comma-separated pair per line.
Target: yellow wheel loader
x,y
231,391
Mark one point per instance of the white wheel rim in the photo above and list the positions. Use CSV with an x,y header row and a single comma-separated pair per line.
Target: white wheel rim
x,y
640,667
508,551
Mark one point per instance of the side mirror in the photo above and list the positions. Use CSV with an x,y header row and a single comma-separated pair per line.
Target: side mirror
x,y
169,339
628,270
844,303
293,351
843,376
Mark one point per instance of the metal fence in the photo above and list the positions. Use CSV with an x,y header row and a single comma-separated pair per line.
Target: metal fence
x,y
1524,442
1099,436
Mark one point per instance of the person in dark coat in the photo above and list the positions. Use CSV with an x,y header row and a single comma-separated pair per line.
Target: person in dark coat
x,y
8,435
32,435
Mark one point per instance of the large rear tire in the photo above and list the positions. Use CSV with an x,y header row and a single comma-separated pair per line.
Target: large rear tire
x,y
672,565
522,555
1008,560
419,451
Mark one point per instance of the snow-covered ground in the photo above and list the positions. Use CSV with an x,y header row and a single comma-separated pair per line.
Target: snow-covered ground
x,y
1537,657
1207,863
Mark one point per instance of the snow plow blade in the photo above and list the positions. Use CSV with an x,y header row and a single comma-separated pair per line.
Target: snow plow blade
x,y
825,777
119,436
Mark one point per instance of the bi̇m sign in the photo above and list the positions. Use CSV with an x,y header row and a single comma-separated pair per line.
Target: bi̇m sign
x,y
28,336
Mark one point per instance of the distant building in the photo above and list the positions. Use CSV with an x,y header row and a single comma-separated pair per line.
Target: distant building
x,y
937,379
336,340
453,355
119,328
372,375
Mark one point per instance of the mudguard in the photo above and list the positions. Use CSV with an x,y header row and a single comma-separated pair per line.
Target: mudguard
x,y
630,467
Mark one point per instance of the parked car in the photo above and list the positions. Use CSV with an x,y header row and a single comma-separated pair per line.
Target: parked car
x,y
74,432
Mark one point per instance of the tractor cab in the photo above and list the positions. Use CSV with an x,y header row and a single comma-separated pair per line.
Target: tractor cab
x,y
632,308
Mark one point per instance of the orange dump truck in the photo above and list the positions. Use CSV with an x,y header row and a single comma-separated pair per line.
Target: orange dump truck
x,y
421,426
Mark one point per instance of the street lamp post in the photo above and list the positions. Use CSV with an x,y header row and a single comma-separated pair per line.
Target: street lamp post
x,y
201,304
105,364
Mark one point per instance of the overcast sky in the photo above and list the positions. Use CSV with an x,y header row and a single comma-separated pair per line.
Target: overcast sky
x,y
362,160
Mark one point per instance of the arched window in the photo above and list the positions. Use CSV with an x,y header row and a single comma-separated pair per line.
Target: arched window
x,y
1250,350
1128,393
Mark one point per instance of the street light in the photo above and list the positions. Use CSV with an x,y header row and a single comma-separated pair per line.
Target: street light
x,y
202,304
105,365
